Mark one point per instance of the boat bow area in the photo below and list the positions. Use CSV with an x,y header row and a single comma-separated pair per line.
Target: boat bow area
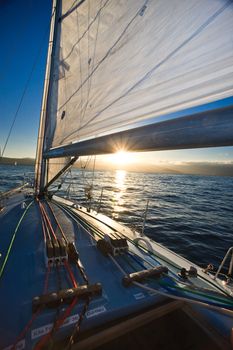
x,y
63,273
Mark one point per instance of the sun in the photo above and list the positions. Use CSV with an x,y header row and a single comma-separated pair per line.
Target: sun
x,y
121,158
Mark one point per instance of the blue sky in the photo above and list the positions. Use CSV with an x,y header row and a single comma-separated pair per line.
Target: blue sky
x,y
23,27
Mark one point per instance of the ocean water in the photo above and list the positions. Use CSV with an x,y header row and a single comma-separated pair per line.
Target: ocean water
x,y
190,214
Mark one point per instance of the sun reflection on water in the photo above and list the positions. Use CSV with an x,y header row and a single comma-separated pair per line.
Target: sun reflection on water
x,y
118,201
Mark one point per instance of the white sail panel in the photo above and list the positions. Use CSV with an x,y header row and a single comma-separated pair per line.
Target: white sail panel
x,y
121,62
55,165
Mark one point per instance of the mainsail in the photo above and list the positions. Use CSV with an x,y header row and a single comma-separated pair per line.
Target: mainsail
x,y
117,65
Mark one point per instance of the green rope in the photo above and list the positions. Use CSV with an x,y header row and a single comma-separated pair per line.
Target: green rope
x,y
184,289
153,256
12,240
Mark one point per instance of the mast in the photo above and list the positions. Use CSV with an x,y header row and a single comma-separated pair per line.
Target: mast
x,y
40,167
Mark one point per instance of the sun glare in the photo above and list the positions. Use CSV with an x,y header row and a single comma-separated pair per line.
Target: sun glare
x,y
121,158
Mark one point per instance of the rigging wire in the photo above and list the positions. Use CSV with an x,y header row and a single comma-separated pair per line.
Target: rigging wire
x,y
27,85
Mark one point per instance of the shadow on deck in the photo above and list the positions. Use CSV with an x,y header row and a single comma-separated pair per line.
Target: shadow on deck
x,y
171,326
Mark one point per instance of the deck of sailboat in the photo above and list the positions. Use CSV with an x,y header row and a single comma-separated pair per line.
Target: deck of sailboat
x,y
169,328
118,310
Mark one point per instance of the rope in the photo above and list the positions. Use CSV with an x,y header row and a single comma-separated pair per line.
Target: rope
x,y
78,263
44,214
63,317
70,272
211,305
223,308
152,254
84,224
186,288
57,325
12,240
59,320
26,329
44,230
58,224
29,324
76,330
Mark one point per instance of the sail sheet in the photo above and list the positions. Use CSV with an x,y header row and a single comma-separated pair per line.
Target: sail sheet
x,y
121,62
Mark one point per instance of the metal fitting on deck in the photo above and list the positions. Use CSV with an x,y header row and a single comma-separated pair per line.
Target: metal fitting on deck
x,y
113,246
53,300
140,276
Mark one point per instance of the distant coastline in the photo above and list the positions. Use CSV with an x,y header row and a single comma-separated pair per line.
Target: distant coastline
x,y
16,161
180,168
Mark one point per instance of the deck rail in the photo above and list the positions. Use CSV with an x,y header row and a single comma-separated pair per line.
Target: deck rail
x,y
230,250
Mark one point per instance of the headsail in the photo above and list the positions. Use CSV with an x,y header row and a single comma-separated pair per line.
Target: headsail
x,y
119,64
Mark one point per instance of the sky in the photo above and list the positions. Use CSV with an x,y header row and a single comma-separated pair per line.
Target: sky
x,y
24,30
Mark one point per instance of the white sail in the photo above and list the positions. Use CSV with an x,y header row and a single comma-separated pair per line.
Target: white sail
x,y
121,62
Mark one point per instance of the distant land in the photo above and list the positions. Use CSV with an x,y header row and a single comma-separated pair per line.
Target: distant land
x,y
192,168
17,161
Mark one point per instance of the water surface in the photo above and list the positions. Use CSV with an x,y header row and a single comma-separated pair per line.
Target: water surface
x,y
189,214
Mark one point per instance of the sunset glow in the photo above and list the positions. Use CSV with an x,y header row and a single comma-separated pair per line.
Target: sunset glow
x,y
121,158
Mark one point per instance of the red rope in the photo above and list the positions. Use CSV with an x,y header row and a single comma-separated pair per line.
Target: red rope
x,y
28,325
26,328
73,280
57,325
68,311
63,317
58,224
43,229
47,220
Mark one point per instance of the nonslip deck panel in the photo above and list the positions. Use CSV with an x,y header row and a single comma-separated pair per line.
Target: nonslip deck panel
x,y
23,276
165,327
172,331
